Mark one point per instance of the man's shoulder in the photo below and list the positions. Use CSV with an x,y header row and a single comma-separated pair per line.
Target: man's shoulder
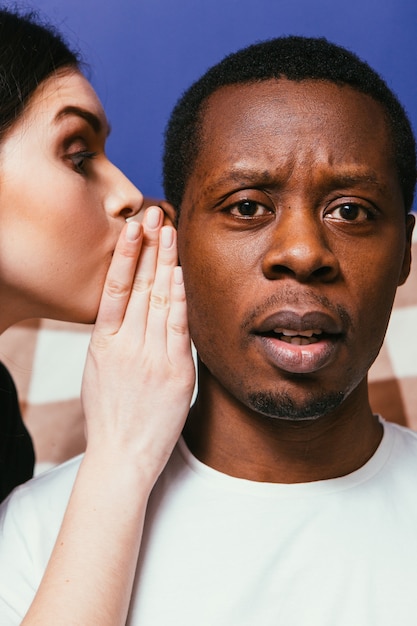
x,y
401,434
46,494
402,456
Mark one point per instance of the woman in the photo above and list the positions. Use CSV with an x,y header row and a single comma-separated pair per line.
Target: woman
x,y
67,253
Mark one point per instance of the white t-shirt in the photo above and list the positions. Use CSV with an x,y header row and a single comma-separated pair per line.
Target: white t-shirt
x,y
223,551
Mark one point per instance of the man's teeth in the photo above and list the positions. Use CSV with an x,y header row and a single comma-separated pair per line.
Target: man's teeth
x,y
299,338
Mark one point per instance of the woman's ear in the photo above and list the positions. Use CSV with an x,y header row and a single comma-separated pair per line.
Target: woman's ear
x,y
170,212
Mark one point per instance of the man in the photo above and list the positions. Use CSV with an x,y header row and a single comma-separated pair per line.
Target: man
x,y
292,169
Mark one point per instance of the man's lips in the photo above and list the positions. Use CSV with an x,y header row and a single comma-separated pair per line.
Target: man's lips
x,y
301,323
300,342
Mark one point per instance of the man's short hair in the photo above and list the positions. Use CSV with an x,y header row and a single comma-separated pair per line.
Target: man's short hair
x,y
297,59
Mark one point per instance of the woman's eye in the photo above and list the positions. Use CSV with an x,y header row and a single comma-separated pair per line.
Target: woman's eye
x,y
248,208
350,212
79,159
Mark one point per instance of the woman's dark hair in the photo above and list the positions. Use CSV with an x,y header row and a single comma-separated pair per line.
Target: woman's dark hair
x,y
294,58
30,52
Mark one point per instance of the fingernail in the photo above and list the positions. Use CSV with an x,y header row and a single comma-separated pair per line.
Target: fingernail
x,y
153,217
132,231
178,277
167,236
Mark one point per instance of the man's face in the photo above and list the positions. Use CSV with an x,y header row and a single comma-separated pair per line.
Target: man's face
x,y
293,240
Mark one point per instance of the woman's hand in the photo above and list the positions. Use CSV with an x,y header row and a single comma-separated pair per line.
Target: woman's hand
x,y
137,387
139,374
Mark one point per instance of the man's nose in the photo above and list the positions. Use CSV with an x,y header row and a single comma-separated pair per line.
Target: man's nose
x,y
299,248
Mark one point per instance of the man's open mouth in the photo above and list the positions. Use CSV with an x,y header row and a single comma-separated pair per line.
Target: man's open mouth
x,y
298,338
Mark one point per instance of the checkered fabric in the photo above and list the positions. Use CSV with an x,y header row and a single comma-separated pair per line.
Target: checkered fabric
x,y
393,377
46,360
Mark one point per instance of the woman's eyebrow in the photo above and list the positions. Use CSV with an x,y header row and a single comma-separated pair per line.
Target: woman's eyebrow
x,y
98,124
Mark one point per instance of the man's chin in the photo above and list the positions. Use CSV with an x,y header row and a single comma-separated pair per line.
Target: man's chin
x,y
283,406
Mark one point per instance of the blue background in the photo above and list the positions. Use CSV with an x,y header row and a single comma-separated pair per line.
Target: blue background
x,y
143,53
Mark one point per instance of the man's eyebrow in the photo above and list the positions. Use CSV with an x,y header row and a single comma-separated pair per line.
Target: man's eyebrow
x,y
244,176
355,178
97,123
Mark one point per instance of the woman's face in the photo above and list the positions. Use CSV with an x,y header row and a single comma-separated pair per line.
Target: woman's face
x,y
62,205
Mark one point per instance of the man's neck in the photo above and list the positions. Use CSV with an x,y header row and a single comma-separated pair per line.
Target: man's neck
x,y
239,442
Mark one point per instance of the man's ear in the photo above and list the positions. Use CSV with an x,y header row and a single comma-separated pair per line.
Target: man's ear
x,y
170,212
405,270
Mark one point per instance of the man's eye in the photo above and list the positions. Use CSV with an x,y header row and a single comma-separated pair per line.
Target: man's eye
x,y
248,208
79,160
350,212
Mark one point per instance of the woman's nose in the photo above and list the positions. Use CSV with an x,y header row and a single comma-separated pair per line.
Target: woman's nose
x,y
298,248
123,199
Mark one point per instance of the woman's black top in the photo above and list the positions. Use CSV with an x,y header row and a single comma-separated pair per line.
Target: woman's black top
x,y
16,450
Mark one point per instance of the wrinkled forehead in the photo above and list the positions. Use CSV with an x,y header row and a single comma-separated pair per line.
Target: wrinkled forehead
x,y
281,122
239,106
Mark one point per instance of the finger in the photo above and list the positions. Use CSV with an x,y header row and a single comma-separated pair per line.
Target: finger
x,y
137,310
159,302
151,285
178,336
119,279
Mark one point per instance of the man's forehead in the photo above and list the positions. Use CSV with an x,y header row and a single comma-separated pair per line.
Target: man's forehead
x,y
255,134
235,114
281,89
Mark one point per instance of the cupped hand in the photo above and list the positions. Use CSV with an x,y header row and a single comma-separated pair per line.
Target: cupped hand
x,y
139,374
